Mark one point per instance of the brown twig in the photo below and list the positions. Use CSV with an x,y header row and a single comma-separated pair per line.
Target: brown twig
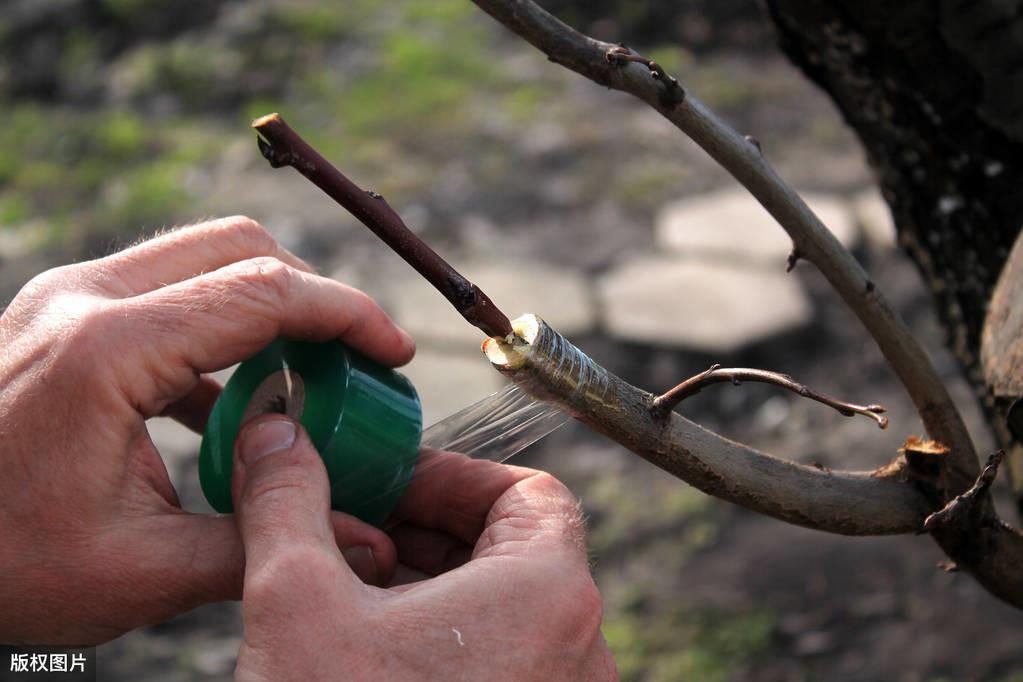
x,y
282,146
965,510
663,404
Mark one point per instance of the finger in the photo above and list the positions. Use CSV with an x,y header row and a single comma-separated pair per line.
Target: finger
x,y
187,252
230,314
367,550
454,493
282,499
218,319
193,410
179,561
537,517
429,551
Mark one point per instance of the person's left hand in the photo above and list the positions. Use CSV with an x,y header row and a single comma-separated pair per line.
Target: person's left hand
x,y
93,541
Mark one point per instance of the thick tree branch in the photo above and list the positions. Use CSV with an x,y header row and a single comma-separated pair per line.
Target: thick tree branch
x,y
994,552
282,146
666,402
547,366
605,64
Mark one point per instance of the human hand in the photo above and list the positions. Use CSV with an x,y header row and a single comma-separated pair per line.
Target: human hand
x,y
512,598
93,541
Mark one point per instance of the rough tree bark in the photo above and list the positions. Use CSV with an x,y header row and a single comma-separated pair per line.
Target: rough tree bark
x,y
934,90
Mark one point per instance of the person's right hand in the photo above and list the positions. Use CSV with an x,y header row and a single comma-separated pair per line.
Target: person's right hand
x,y
512,598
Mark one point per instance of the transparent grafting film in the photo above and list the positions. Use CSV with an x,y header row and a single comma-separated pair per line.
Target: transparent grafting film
x,y
496,427
505,423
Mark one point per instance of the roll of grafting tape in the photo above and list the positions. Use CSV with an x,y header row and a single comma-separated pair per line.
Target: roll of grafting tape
x,y
364,419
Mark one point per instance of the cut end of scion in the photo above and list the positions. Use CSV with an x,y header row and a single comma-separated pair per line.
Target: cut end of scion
x,y
258,123
510,352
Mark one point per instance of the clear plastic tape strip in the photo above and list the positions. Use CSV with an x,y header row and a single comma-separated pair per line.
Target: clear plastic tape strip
x,y
507,422
496,427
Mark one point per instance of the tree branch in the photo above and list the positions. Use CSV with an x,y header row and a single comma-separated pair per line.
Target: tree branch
x,y
993,553
547,366
282,146
606,65
665,403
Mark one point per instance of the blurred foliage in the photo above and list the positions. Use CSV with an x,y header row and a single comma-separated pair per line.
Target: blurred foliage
x,y
115,107
112,103
623,519
654,642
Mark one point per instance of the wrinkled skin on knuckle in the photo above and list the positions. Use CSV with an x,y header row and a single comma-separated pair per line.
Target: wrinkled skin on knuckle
x,y
264,281
548,511
243,232
279,491
39,293
289,586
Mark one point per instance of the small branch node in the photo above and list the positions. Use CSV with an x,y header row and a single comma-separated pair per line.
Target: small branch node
x,y
755,142
662,405
673,93
793,258
965,510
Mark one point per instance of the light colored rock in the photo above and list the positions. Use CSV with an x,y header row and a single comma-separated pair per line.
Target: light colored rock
x,y
18,242
875,219
447,382
216,656
711,307
558,295
177,445
732,225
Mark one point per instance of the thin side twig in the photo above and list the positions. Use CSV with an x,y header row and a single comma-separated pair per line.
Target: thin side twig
x,y
282,146
663,404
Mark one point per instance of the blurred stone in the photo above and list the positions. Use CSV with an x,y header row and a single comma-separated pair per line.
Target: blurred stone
x,y
711,307
176,444
814,643
217,656
559,295
732,225
447,382
16,243
875,219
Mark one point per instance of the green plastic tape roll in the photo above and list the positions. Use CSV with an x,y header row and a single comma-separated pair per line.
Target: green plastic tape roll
x,y
364,419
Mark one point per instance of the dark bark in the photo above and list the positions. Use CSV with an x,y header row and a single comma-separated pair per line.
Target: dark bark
x,y
934,90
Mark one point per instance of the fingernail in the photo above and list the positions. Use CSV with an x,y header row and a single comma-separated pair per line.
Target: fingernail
x,y
360,559
265,438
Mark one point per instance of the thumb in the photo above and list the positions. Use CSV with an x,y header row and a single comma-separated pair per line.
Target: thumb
x,y
282,501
